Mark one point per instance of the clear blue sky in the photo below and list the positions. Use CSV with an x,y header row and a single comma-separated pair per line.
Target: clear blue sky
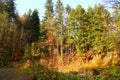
x,y
23,6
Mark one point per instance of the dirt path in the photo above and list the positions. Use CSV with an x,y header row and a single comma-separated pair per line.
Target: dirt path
x,y
13,74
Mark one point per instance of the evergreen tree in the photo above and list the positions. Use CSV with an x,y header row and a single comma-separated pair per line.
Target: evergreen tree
x,y
7,38
49,9
47,26
35,25
59,10
32,26
98,18
9,7
76,27
27,26
1,5
115,27
68,9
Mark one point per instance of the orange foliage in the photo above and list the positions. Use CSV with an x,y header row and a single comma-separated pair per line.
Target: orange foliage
x,y
50,39
88,56
23,19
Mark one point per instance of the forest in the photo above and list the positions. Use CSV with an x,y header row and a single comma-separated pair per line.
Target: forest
x,y
66,44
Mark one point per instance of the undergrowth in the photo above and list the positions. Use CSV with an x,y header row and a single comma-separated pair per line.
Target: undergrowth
x,y
105,73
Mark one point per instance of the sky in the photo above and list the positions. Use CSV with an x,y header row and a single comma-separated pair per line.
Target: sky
x,y
22,6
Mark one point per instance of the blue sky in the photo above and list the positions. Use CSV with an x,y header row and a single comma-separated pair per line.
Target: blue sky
x,y
23,6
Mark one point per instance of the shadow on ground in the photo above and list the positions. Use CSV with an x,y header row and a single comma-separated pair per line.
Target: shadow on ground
x,y
13,74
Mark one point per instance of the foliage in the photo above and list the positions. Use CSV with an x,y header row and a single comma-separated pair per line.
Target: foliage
x,y
27,53
30,51
98,28
59,33
32,26
49,9
6,48
106,73
9,7
35,25
116,26
62,31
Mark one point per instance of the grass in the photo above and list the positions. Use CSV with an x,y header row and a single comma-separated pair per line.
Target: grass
x,y
77,70
105,73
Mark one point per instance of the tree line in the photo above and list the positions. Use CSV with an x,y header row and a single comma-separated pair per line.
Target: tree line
x,y
63,30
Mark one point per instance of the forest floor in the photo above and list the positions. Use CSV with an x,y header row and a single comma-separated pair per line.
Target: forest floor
x,y
13,74
71,67
71,63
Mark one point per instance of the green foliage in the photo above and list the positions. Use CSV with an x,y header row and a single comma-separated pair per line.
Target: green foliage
x,y
32,26
76,28
59,11
49,9
29,51
9,7
89,30
43,73
68,9
98,16
116,26
62,30
6,47
35,25
111,72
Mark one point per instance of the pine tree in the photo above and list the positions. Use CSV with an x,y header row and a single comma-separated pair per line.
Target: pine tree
x,y
35,25
68,9
115,27
9,7
76,28
1,5
27,26
47,25
49,9
59,10
98,20
32,26
6,37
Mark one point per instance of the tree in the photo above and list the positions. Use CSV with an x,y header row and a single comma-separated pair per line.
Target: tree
x,y
27,26
59,10
6,37
49,9
47,26
13,25
67,30
76,23
1,5
68,9
115,26
98,20
32,26
35,25
9,7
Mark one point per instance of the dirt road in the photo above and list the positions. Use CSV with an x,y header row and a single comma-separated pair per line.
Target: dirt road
x,y
13,74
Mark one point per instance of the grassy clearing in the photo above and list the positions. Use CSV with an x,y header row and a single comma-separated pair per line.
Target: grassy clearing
x,y
104,73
